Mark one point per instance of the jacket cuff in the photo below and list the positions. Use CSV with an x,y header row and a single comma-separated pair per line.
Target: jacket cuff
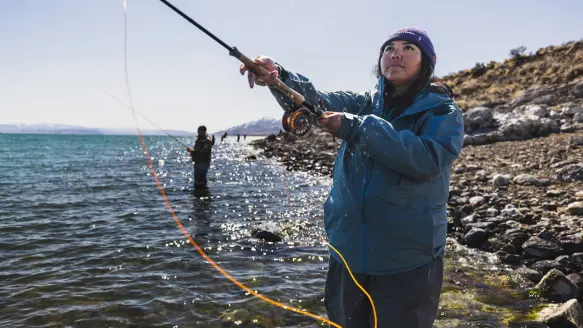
x,y
348,126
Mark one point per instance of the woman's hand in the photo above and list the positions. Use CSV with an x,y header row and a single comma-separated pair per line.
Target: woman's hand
x,y
267,63
330,122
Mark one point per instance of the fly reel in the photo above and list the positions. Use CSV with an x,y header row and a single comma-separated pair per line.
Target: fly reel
x,y
298,122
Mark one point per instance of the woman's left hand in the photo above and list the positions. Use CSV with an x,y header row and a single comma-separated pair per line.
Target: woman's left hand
x,y
330,122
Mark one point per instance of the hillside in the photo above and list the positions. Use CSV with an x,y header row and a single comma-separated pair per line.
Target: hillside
x,y
547,77
261,127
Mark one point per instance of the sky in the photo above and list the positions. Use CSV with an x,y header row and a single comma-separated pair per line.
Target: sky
x,y
59,59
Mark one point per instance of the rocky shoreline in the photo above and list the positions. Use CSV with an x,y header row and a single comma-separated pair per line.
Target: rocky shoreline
x,y
522,200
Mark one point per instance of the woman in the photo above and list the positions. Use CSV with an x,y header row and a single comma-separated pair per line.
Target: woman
x,y
386,211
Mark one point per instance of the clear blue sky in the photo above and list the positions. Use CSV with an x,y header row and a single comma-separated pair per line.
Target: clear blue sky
x,y
58,58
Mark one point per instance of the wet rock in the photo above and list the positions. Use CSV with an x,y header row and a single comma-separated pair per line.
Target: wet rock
x,y
475,237
577,279
568,315
557,287
541,248
529,274
238,317
517,238
507,258
251,157
575,208
266,235
545,266
571,243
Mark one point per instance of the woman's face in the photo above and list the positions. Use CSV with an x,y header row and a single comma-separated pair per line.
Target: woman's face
x,y
401,62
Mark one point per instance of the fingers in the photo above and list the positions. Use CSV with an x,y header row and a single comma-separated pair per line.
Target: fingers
x,y
251,79
265,63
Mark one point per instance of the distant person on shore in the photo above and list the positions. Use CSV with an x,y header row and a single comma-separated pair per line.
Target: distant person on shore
x,y
244,137
201,157
386,211
224,136
238,137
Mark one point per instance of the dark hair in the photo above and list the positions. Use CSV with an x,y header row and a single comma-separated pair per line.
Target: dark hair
x,y
202,128
423,79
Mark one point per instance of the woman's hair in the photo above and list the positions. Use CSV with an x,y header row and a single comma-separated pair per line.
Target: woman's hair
x,y
423,80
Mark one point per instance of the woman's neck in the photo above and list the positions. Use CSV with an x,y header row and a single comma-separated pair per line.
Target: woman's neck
x,y
399,90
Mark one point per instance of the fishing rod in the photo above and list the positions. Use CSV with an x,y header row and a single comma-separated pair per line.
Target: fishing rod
x,y
297,121
171,136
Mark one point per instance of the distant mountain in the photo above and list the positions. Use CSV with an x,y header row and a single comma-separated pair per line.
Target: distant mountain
x,y
261,127
45,128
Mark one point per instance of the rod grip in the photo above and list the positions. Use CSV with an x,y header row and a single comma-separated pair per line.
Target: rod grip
x,y
296,97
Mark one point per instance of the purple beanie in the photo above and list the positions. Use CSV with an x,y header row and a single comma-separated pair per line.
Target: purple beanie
x,y
416,36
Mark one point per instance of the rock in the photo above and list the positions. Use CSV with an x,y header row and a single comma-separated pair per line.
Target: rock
x,y
514,126
554,193
533,93
529,274
251,157
477,118
511,259
475,237
545,266
517,238
477,200
577,279
577,257
526,179
271,137
577,90
571,110
575,208
266,235
500,180
237,317
534,110
571,172
578,118
491,212
541,248
579,194
571,243
557,287
568,315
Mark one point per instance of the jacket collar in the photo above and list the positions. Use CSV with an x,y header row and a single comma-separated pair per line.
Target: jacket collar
x,y
423,101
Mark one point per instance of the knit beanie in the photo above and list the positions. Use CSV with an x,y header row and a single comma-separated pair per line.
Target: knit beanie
x,y
416,36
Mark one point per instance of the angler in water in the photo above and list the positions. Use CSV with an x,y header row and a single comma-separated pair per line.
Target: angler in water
x,y
201,157
386,211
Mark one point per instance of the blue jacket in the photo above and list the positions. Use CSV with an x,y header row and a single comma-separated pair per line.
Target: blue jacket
x,y
386,211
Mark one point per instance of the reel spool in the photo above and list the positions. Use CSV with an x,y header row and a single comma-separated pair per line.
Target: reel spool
x,y
298,122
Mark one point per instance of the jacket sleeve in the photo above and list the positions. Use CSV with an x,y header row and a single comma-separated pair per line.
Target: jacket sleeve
x,y
421,157
337,101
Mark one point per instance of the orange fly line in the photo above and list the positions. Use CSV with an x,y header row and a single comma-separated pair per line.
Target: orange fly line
x,y
185,232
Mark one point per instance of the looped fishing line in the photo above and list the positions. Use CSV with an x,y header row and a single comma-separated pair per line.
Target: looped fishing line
x,y
185,232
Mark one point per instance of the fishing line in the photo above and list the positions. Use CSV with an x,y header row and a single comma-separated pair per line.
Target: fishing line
x,y
124,104
297,99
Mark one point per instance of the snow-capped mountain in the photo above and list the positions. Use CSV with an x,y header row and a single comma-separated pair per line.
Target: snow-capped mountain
x,y
261,127
46,128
